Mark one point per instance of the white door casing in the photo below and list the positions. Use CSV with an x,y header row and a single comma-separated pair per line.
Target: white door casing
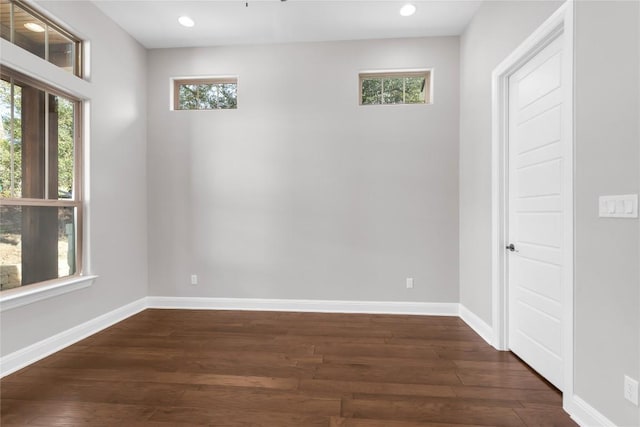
x,y
542,213
535,212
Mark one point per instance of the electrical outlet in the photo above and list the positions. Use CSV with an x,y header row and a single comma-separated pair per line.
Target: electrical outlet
x,y
194,279
409,282
631,390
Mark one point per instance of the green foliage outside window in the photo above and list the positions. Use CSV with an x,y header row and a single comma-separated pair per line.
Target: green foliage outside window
x,y
399,89
371,91
210,96
65,142
6,141
65,146
414,90
393,91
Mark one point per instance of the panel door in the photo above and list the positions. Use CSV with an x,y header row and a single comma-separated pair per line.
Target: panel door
x,y
536,212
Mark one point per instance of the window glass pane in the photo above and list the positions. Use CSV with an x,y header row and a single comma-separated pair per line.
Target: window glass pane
x,y
10,247
207,96
6,140
371,91
187,97
31,116
17,141
61,50
65,133
39,36
29,32
10,140
393,90
395,87
23,143
36,244
228,96
5,19
414,90
37,150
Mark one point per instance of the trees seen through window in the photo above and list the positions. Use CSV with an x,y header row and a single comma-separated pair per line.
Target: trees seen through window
x,y
395,88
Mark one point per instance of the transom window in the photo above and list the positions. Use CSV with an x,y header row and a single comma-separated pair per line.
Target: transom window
x,y
205,93
25,27
40,182
401,87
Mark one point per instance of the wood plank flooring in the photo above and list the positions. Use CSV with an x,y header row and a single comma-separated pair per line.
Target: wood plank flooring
x,y
276,369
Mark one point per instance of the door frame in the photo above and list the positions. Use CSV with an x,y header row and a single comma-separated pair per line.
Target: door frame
x,y
560,23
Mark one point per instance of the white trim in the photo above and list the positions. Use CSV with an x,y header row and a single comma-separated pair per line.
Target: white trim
x,y
205,77
587,416
31,354
498,216
318,306
561,22
23,295
395,71
21,60
568,342
476,323
33,66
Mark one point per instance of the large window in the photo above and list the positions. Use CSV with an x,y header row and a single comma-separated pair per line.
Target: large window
x,y
205,94
25,27
40,182
402,87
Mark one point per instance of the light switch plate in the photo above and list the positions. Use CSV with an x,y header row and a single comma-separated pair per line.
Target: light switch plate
x,y
620,206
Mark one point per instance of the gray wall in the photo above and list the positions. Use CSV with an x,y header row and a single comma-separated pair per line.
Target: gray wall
x,y
607,315
117,175
495,31
300,193
607,318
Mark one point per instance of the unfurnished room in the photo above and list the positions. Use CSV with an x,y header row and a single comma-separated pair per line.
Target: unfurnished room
x,y
338,213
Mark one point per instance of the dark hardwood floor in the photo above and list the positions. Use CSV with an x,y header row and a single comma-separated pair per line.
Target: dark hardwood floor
x,y
232,368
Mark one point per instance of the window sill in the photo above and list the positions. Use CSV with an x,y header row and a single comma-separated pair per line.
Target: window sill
x,y
13,298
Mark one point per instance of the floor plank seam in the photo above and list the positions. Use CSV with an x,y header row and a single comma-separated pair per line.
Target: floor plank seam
x,y
285,370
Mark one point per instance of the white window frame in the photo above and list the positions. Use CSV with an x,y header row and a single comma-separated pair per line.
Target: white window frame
x,y
34,67
427,72
175,83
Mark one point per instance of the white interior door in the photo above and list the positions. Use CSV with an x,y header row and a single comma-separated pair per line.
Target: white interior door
x,y
537,217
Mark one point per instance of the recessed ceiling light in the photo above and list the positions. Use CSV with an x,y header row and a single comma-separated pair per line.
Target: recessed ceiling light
x,y
407,10
185,21
32,26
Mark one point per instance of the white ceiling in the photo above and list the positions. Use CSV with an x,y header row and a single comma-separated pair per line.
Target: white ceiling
x,y
154,22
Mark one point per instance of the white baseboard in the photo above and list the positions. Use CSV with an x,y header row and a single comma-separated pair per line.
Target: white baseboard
x,y
320,306
476,323
31,354
586,415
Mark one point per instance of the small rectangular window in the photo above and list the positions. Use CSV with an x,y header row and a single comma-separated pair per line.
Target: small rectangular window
x,y
205,94
396,87
33,32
